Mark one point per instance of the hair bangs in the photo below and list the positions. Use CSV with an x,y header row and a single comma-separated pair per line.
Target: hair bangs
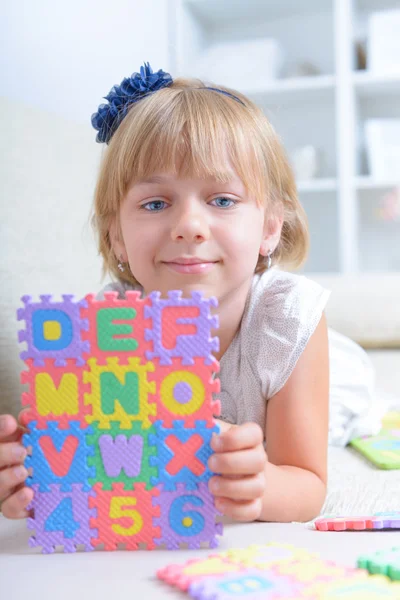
x,y
191,135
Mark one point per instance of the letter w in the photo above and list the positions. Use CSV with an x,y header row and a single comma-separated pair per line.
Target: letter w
x,y
121,453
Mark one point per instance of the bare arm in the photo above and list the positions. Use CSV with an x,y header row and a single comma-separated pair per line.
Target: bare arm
x,y
290,483
297,437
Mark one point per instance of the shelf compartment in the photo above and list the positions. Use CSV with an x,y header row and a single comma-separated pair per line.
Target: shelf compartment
x,y
369,183
368,84
214,12
326,184
292,89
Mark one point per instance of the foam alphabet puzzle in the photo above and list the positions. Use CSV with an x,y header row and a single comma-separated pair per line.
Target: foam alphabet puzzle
x,y
383,520
383,450
277,571
120,413
384,562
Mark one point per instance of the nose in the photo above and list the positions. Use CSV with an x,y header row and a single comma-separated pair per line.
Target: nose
x,y
191,223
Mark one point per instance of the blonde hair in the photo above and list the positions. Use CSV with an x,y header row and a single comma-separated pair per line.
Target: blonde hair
x,y
191,121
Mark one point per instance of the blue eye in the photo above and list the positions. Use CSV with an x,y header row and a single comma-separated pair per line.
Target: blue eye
x,y
223,202
154,205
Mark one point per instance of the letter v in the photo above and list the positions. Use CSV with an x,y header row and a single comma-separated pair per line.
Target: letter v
x,y
59,461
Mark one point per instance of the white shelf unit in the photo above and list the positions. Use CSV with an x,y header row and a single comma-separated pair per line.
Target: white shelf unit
x,y
326,110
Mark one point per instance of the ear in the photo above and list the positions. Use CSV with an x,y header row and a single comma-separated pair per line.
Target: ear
x,y
272,233
117,243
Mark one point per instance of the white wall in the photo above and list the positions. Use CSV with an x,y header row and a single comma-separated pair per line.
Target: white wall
x,y
57,61
64,56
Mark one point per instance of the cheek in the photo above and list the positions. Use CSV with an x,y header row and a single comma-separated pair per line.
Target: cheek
x,y
248,237
133,234
139,249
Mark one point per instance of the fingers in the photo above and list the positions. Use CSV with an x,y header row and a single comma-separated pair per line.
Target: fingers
x,y
11,453
23,418
245,488
9,430
238,438
249,510
243,462
224,426
239,459
14,507
10,478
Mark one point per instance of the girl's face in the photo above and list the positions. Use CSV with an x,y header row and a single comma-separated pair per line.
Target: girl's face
x,y
193,234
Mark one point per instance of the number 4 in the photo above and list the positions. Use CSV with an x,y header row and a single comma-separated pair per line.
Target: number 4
x,y
62,519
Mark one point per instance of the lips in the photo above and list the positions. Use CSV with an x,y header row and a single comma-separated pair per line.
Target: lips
x,y
190,264
189,260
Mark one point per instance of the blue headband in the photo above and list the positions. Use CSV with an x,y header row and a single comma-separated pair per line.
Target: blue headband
x,y
132,89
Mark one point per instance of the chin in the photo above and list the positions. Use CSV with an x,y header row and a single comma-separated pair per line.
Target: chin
x,y
188,287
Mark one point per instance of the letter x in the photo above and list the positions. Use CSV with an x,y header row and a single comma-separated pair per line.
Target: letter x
x,y
184,454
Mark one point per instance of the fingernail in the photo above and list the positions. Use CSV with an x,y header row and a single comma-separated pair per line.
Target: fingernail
x,y
20,472
212,463
216,442
219,504
19,453
21,496
214,485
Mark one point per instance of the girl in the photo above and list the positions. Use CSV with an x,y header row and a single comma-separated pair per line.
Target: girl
x,y
195,193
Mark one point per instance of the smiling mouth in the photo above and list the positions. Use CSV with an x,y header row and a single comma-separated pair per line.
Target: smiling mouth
x,y
190,266
189,260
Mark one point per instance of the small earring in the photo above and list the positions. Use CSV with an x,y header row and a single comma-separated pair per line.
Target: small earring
x,y
120,265
269,259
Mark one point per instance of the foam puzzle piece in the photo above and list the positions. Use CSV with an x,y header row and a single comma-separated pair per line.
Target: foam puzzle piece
x,y
383,562
120,413
391,420
383,450
53,330
55,394
262,556
182,454
195,321
182,576
186,391
251,584
382,520
354,587
58,456
124,516
121,456
61,518
116,326
187,515
265,556
288,573
316,570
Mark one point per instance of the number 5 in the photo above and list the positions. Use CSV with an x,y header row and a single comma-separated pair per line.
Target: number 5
x,y
119,508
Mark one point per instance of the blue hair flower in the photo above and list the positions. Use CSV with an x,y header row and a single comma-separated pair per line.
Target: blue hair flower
x,y
132,89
